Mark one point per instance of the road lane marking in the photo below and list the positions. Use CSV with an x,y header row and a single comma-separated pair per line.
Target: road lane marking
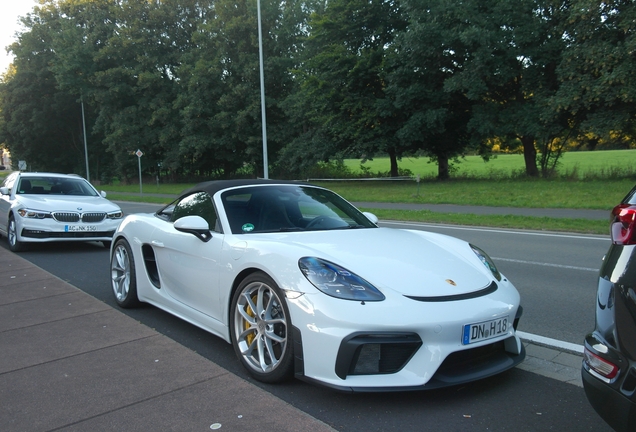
x,y
554,343
595,270
501,231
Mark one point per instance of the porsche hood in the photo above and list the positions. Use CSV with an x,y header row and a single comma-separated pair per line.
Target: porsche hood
x,y
413,263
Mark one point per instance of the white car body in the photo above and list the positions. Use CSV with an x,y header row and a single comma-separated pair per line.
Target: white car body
x,y
45,213
432,287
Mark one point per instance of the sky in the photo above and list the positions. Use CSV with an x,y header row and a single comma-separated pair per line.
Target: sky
x,y
10,10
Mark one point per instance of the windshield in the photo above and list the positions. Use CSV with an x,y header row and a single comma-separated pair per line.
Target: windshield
x,y
55,186
289,208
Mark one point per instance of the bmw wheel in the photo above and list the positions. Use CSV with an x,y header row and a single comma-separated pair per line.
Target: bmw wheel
x,y
122,274
12,236
261,329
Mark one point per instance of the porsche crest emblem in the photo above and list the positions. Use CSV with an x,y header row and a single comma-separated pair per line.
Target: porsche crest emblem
x,y
450,281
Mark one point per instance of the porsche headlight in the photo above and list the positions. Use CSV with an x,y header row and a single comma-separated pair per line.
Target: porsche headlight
x,y
33,214
487,261
337,281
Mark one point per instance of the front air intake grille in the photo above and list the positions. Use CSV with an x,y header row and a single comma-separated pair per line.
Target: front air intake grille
x,y
93,217
378,353
66,216
462,362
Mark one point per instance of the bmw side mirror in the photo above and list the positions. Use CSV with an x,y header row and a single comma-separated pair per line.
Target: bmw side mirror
x,y
373,218
4,191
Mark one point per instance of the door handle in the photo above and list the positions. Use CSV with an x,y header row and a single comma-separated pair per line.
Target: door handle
x,y
157,243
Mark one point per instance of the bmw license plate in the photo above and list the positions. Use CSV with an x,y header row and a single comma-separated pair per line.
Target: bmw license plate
x,y
485,330
80,228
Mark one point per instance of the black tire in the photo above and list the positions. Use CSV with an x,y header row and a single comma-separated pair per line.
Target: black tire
x,y
123,276
12,236
263,340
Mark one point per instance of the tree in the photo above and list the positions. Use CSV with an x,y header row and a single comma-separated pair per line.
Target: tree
x,y
41,123
426,56
220,104
343,80
512,49
598,70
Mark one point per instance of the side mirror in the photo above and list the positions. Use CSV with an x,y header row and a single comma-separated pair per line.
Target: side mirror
x,y
103,194
4,191
194,225
373,218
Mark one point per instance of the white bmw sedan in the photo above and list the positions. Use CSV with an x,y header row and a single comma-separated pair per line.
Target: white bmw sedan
x,y
303,284
45,207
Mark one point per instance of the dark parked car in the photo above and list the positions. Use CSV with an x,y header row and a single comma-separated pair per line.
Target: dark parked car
x,y
609,365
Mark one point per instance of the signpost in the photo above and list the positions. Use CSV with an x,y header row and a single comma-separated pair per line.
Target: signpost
x,y
139,154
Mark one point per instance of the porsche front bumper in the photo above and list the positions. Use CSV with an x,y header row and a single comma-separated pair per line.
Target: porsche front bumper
x,y
412,345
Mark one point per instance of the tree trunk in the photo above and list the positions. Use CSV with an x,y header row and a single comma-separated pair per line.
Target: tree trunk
x,y
394,164
530,156
443,172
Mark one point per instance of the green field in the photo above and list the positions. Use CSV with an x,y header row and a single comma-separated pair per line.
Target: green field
x,y
578,165
592,194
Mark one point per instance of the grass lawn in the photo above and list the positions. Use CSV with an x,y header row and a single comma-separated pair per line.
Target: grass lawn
x,y
594,194
577,165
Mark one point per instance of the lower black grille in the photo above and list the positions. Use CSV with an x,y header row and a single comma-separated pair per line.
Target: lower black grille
x,y
369,354
382,358
475,363
66,235
461,362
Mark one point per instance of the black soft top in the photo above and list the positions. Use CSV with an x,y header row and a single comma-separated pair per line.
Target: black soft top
x,y
212,187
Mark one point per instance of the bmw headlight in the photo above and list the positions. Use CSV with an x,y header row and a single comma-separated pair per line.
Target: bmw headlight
x,y
115,215
337,281
33,214
487,261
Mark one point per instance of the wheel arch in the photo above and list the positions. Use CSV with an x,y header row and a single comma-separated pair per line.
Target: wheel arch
x,y
235,284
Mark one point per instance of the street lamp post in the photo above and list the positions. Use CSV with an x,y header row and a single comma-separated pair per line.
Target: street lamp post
x,y
88,175
262,76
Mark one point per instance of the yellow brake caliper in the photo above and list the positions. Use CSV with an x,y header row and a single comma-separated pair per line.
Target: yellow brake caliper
x,y
250,337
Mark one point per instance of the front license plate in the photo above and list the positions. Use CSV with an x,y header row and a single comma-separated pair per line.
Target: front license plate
x,y
76,228
485,330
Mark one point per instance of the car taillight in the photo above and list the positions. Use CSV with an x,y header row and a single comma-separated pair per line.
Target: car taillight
x,y
599,365
623,226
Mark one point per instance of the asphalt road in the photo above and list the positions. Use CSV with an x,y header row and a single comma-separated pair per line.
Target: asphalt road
x,y
557,280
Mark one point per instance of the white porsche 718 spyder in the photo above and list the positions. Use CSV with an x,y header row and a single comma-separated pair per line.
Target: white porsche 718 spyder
x,y
303,284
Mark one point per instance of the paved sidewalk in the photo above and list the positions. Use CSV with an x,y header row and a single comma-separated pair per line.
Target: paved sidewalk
x,y
70,362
